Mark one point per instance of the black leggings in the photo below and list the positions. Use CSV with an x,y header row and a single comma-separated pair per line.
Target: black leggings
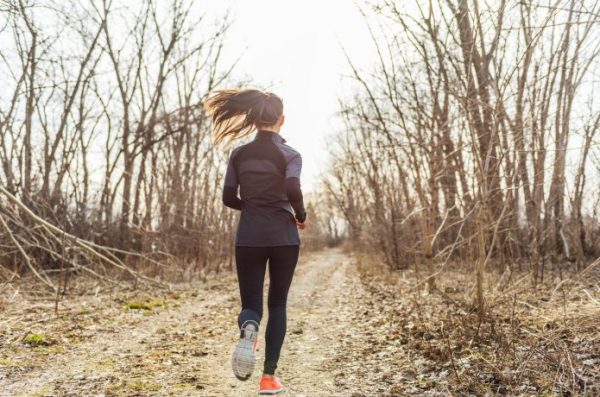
x,y
251,263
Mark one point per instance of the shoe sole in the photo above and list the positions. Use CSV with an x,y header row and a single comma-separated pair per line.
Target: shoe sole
x,y
243,359
270,392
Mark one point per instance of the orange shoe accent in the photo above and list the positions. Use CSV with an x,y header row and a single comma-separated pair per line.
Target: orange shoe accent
x,y
270,384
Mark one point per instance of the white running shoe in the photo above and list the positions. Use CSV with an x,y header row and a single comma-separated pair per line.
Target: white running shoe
x,y
243,358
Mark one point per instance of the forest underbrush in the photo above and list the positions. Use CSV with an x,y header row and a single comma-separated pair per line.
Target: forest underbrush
x,y
540,340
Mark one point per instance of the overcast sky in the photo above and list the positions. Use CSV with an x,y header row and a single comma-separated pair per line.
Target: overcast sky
x,y
294,48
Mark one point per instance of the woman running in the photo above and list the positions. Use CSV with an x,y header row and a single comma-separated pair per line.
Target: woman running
x,y
267,172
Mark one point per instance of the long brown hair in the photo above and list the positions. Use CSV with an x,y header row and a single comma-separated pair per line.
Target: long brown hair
x,y
235,113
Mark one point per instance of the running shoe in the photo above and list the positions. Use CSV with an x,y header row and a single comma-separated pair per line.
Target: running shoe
x,y
243,358
270,384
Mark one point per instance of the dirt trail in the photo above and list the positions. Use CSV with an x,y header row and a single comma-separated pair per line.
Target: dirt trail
x,y
185,349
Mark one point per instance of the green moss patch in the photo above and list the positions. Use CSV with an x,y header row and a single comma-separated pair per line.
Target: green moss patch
x,y
148,305
34,339
139,385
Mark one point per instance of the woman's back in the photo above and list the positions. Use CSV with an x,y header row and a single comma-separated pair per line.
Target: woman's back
x,y
260,169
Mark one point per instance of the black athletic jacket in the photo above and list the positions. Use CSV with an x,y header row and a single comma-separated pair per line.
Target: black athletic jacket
x,y
267,172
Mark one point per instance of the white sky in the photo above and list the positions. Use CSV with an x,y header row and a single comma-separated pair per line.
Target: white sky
x,y
293,48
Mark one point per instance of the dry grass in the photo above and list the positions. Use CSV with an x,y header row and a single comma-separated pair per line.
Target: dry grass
x,y
540,341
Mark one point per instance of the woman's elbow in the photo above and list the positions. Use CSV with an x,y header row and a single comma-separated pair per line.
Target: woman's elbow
x,y
293,190
230,198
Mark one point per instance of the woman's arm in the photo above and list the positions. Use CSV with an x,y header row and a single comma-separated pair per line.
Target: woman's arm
x,y
231,199
292,187
230,188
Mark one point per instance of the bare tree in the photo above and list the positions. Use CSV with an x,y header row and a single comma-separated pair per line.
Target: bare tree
x,y
463,130
104,136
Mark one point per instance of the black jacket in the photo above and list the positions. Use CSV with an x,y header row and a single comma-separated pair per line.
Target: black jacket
x,y
267,172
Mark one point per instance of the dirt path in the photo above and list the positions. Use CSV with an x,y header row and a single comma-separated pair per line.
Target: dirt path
x,y
184,349
354,330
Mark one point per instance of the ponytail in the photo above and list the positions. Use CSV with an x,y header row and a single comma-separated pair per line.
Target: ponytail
x,y
235,113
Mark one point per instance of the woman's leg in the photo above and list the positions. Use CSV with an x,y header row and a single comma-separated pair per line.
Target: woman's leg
x,y
282,262
251,263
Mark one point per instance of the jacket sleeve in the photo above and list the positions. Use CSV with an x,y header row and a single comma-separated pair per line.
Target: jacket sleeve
x,y
230,187
292,186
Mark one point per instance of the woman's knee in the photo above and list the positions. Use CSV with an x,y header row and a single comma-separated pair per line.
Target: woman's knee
x,y
277,305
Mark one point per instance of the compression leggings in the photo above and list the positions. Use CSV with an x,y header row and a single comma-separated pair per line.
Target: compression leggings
x,y
251,263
